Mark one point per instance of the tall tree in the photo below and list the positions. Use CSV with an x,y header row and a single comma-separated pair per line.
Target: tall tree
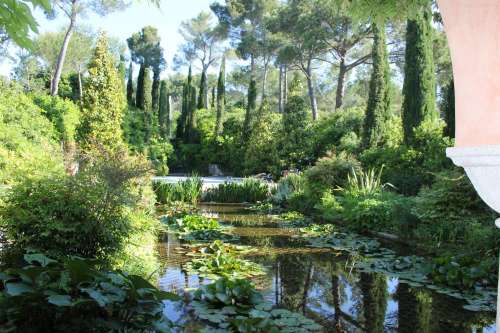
x,y
221,96
146,50
164,114
374,289
148,106
250,111
448,109
212,100
203,44
305,42
419,87
130,85
379,100
72,9
139,95
345,40
104,100
203,96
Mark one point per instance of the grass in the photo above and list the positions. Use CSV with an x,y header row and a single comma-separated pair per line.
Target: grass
x,y
188,191
249,191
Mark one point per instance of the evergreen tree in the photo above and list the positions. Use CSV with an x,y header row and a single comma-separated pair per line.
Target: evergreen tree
x,y
130,85
212,102
181,121
139,95
148,106
379,101
221,95
155,91
191,120
252,99
295,118
164,111
103,102
448,109
419,88
202,102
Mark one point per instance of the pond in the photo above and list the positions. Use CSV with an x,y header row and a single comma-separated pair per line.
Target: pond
x,y
323,284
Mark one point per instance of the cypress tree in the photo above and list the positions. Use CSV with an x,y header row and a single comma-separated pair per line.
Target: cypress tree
x,y
252,99
130,85
155,90
202,97
191,117
164,111
103,102
419,88
148,106
448,109
181,121
212,103
221,95
139,95
378,108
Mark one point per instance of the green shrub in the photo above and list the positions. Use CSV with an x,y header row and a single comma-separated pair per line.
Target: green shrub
x,y
159,152
63,113
250,190
72,296
451,211
188,191
86,215
29,146
330,172
191,222
287,187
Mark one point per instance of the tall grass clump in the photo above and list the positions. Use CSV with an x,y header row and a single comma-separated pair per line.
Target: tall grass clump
x,y
250,190
188,191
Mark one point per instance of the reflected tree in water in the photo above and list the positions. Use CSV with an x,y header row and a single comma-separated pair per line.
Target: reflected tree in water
x,y
374,289
415,310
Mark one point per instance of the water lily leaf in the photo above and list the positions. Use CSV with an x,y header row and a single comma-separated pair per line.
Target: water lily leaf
x,y
60,300
17,288
42,259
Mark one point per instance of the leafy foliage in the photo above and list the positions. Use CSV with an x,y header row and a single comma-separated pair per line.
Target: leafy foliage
x,y
233,305
188,190
250,190
43,292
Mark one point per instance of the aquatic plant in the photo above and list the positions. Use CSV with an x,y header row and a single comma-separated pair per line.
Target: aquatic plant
x,y
319,229
236,306
45,290
250,190
221,260
188,191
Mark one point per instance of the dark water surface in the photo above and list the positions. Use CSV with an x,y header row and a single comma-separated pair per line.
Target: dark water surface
x,y
323,285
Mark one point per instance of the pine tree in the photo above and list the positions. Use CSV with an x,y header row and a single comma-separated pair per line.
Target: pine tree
x,y
221,95
202,97
130,85
448,109
419,88
252,99
104,101
148,106
379,100
164,111
139,95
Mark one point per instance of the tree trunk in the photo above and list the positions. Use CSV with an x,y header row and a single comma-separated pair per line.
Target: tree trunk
x,y
339,98
54,84
312,94
280,97
285,85
205,88
169,116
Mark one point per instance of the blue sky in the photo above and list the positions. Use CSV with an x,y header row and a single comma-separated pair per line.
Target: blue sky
x,y
123,24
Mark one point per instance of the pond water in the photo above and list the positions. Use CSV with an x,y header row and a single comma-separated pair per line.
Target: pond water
x,y
323,284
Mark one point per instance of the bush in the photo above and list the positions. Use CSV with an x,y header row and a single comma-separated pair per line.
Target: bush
x,y
451,211
188,191
29,146
86,215
330,172
250,190
287,187
63,113
72,296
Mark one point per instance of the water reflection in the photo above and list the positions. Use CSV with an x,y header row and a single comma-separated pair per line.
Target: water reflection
x,y
324,286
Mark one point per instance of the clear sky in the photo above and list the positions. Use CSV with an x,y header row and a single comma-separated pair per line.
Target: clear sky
x,y
123,24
